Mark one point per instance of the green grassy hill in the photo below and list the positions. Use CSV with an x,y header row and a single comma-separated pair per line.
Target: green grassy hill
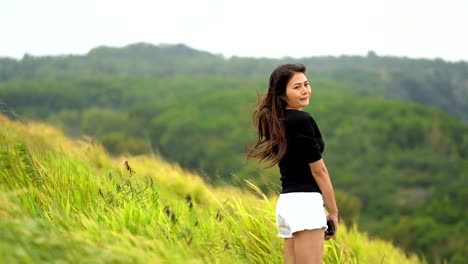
x,y
68,201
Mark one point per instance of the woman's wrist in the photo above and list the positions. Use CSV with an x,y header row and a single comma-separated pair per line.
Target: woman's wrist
x,y
333,212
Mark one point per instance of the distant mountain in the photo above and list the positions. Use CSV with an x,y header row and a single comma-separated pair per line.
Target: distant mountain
x,y
433,83
146,51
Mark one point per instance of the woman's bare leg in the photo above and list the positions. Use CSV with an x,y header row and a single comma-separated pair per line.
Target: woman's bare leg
x,y
308,246
289,255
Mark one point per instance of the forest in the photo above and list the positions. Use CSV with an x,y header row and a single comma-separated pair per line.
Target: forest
x,y
395,129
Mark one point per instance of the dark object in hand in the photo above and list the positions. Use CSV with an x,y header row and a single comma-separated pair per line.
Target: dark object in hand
x,y
331,228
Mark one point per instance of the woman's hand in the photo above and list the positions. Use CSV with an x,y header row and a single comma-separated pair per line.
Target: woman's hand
x,y
334,218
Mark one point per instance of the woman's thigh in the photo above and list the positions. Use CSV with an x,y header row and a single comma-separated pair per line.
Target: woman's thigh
x,y
308,246
289,254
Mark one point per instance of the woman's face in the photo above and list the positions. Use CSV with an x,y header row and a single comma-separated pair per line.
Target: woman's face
x,y
297,92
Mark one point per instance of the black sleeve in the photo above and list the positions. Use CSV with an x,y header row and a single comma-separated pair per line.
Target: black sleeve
x,y
308,139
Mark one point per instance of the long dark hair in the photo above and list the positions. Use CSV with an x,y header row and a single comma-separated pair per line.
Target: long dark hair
x,y
269,114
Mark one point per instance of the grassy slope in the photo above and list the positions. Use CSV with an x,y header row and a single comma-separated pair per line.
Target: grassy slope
x,y
63,200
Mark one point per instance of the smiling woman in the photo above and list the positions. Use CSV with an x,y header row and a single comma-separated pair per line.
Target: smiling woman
x,y
298,92
290,137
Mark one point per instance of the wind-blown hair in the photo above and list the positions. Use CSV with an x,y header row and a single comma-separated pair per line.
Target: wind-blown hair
x,y
268,116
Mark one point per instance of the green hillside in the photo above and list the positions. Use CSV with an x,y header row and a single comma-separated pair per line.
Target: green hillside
x,y
68,201
399,166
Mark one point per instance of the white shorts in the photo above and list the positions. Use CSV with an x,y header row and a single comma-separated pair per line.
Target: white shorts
x,y
299,211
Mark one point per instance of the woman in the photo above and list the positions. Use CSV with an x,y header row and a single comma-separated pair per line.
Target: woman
x,y
290,137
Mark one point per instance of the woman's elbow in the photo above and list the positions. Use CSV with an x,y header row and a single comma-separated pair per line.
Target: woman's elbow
x,y
319,172
318,168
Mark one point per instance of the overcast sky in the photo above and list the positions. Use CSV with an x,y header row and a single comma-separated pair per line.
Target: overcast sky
x,y
258,28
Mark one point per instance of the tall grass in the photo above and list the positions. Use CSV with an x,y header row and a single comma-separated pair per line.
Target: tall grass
x,y
67,201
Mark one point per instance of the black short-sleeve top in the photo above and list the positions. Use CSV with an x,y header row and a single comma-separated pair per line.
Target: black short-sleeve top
x,y
305,145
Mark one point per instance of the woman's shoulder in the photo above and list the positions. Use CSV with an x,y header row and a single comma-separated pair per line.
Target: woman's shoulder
x,y
298,116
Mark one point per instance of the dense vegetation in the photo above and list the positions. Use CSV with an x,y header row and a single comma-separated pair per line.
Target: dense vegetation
x,y
67,201
433,83
401,167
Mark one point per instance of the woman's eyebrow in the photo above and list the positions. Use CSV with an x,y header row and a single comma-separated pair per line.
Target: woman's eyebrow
x,y
299,83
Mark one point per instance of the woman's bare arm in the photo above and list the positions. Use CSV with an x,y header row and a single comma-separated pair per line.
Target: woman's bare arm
x,y
320,173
